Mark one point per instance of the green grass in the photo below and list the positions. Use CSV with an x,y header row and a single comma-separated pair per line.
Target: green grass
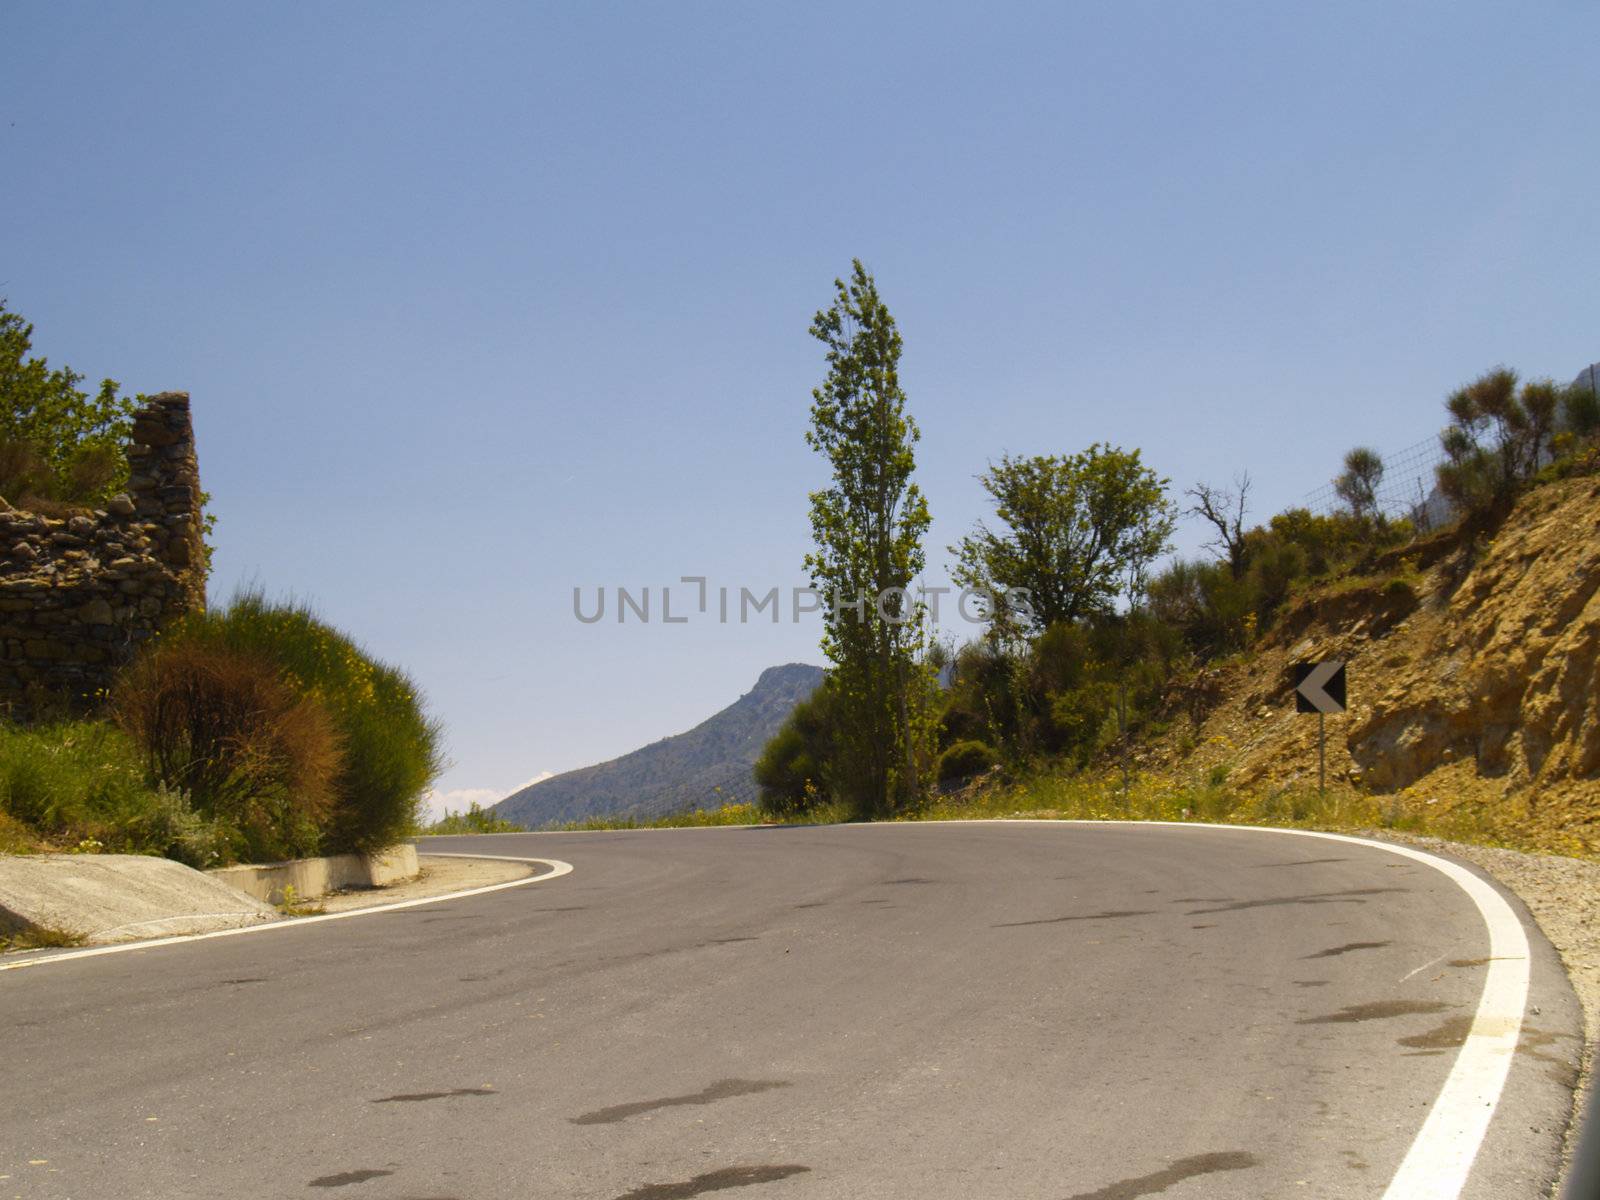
x,y
1208,797
728,814
83,785
1056,796
293,906
39,937
476,819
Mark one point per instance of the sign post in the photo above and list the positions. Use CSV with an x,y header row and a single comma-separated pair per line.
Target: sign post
x,y
1319,687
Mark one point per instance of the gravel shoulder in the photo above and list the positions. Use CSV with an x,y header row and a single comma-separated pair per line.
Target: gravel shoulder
x,y
439,876
1563,894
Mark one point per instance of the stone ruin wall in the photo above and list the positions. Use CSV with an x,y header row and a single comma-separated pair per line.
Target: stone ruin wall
x,y
79,594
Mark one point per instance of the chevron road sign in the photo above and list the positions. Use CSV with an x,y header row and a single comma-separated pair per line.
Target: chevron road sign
x,y
1319,687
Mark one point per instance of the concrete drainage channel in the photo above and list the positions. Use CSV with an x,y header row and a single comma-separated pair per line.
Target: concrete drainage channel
x,y
101,898
114,902
312,878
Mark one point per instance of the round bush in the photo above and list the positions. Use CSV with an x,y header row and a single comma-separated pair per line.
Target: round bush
x,y
965,759
389,749
220,726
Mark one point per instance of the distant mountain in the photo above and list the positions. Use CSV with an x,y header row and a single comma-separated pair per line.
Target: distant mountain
x,y
676,773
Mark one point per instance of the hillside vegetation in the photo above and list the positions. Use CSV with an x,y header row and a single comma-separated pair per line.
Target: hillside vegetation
x,y
1474,664
1467,617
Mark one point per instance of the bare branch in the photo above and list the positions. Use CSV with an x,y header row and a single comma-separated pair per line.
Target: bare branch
x,y
1224,510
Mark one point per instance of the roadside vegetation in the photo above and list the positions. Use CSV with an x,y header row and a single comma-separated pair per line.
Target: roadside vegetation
x,y
476,819
39,938
694,818
254,732
1049,793
1103,796
1103,651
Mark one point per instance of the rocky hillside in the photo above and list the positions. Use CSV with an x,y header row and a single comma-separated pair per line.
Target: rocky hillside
x,y
1474,673
678,772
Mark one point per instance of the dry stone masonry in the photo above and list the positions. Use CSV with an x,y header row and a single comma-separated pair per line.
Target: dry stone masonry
x,y
79,594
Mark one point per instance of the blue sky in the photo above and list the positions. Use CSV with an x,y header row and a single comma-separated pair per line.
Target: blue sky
x,y
478,304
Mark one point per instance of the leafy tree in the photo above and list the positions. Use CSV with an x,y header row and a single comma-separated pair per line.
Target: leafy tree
x,y
868,526
1580,409
1080,531
1357,486
56,442
1497,436
791,769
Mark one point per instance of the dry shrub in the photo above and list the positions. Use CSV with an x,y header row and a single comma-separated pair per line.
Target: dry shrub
x,y
390,746
220,725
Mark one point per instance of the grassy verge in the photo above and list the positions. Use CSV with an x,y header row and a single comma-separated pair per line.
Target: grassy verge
x,y
476,819
728,814
82,785
1102,797
39,938
1341,809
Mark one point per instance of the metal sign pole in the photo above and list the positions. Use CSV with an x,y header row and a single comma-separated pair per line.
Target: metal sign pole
x,y
1319,687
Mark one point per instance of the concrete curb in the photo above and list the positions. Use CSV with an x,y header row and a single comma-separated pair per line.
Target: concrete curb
x,y
314,877
557,870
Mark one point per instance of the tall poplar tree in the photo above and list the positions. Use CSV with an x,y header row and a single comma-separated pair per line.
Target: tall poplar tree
x,y
868,526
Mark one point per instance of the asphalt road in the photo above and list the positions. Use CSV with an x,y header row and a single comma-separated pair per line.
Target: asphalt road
x,y
1062,1012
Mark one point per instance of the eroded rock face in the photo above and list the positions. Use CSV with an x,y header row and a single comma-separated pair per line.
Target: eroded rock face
x,y
78,596
1474,676
1506,672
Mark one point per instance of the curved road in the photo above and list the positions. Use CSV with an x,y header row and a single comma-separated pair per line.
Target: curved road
x,y
1053,1011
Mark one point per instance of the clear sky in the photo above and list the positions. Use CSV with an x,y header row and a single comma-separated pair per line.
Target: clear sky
x,y
478,304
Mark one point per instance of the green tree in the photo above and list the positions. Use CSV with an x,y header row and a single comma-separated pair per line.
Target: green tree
x,y
1580,409
790,772
868,526
1080,531
1358,484
1498,436
56,442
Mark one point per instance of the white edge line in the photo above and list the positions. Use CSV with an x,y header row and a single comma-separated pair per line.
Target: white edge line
x,y
1440,1159
557,869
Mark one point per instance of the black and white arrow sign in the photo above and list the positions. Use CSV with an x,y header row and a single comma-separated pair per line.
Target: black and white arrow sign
x,y
1319,687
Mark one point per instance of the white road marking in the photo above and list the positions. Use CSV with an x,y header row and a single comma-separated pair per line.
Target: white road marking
x,y
1440,1159
1441,1156
1422,968
557,869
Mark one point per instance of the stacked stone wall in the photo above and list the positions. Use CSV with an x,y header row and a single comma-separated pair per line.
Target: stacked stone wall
x,y
80,593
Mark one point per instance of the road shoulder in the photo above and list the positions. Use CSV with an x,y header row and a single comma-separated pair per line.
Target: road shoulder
x,y
440,875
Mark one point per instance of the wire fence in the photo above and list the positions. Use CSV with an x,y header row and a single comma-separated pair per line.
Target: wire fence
x,y
1408,491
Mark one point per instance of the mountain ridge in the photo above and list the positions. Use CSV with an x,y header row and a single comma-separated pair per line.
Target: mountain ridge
x,y
703,767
